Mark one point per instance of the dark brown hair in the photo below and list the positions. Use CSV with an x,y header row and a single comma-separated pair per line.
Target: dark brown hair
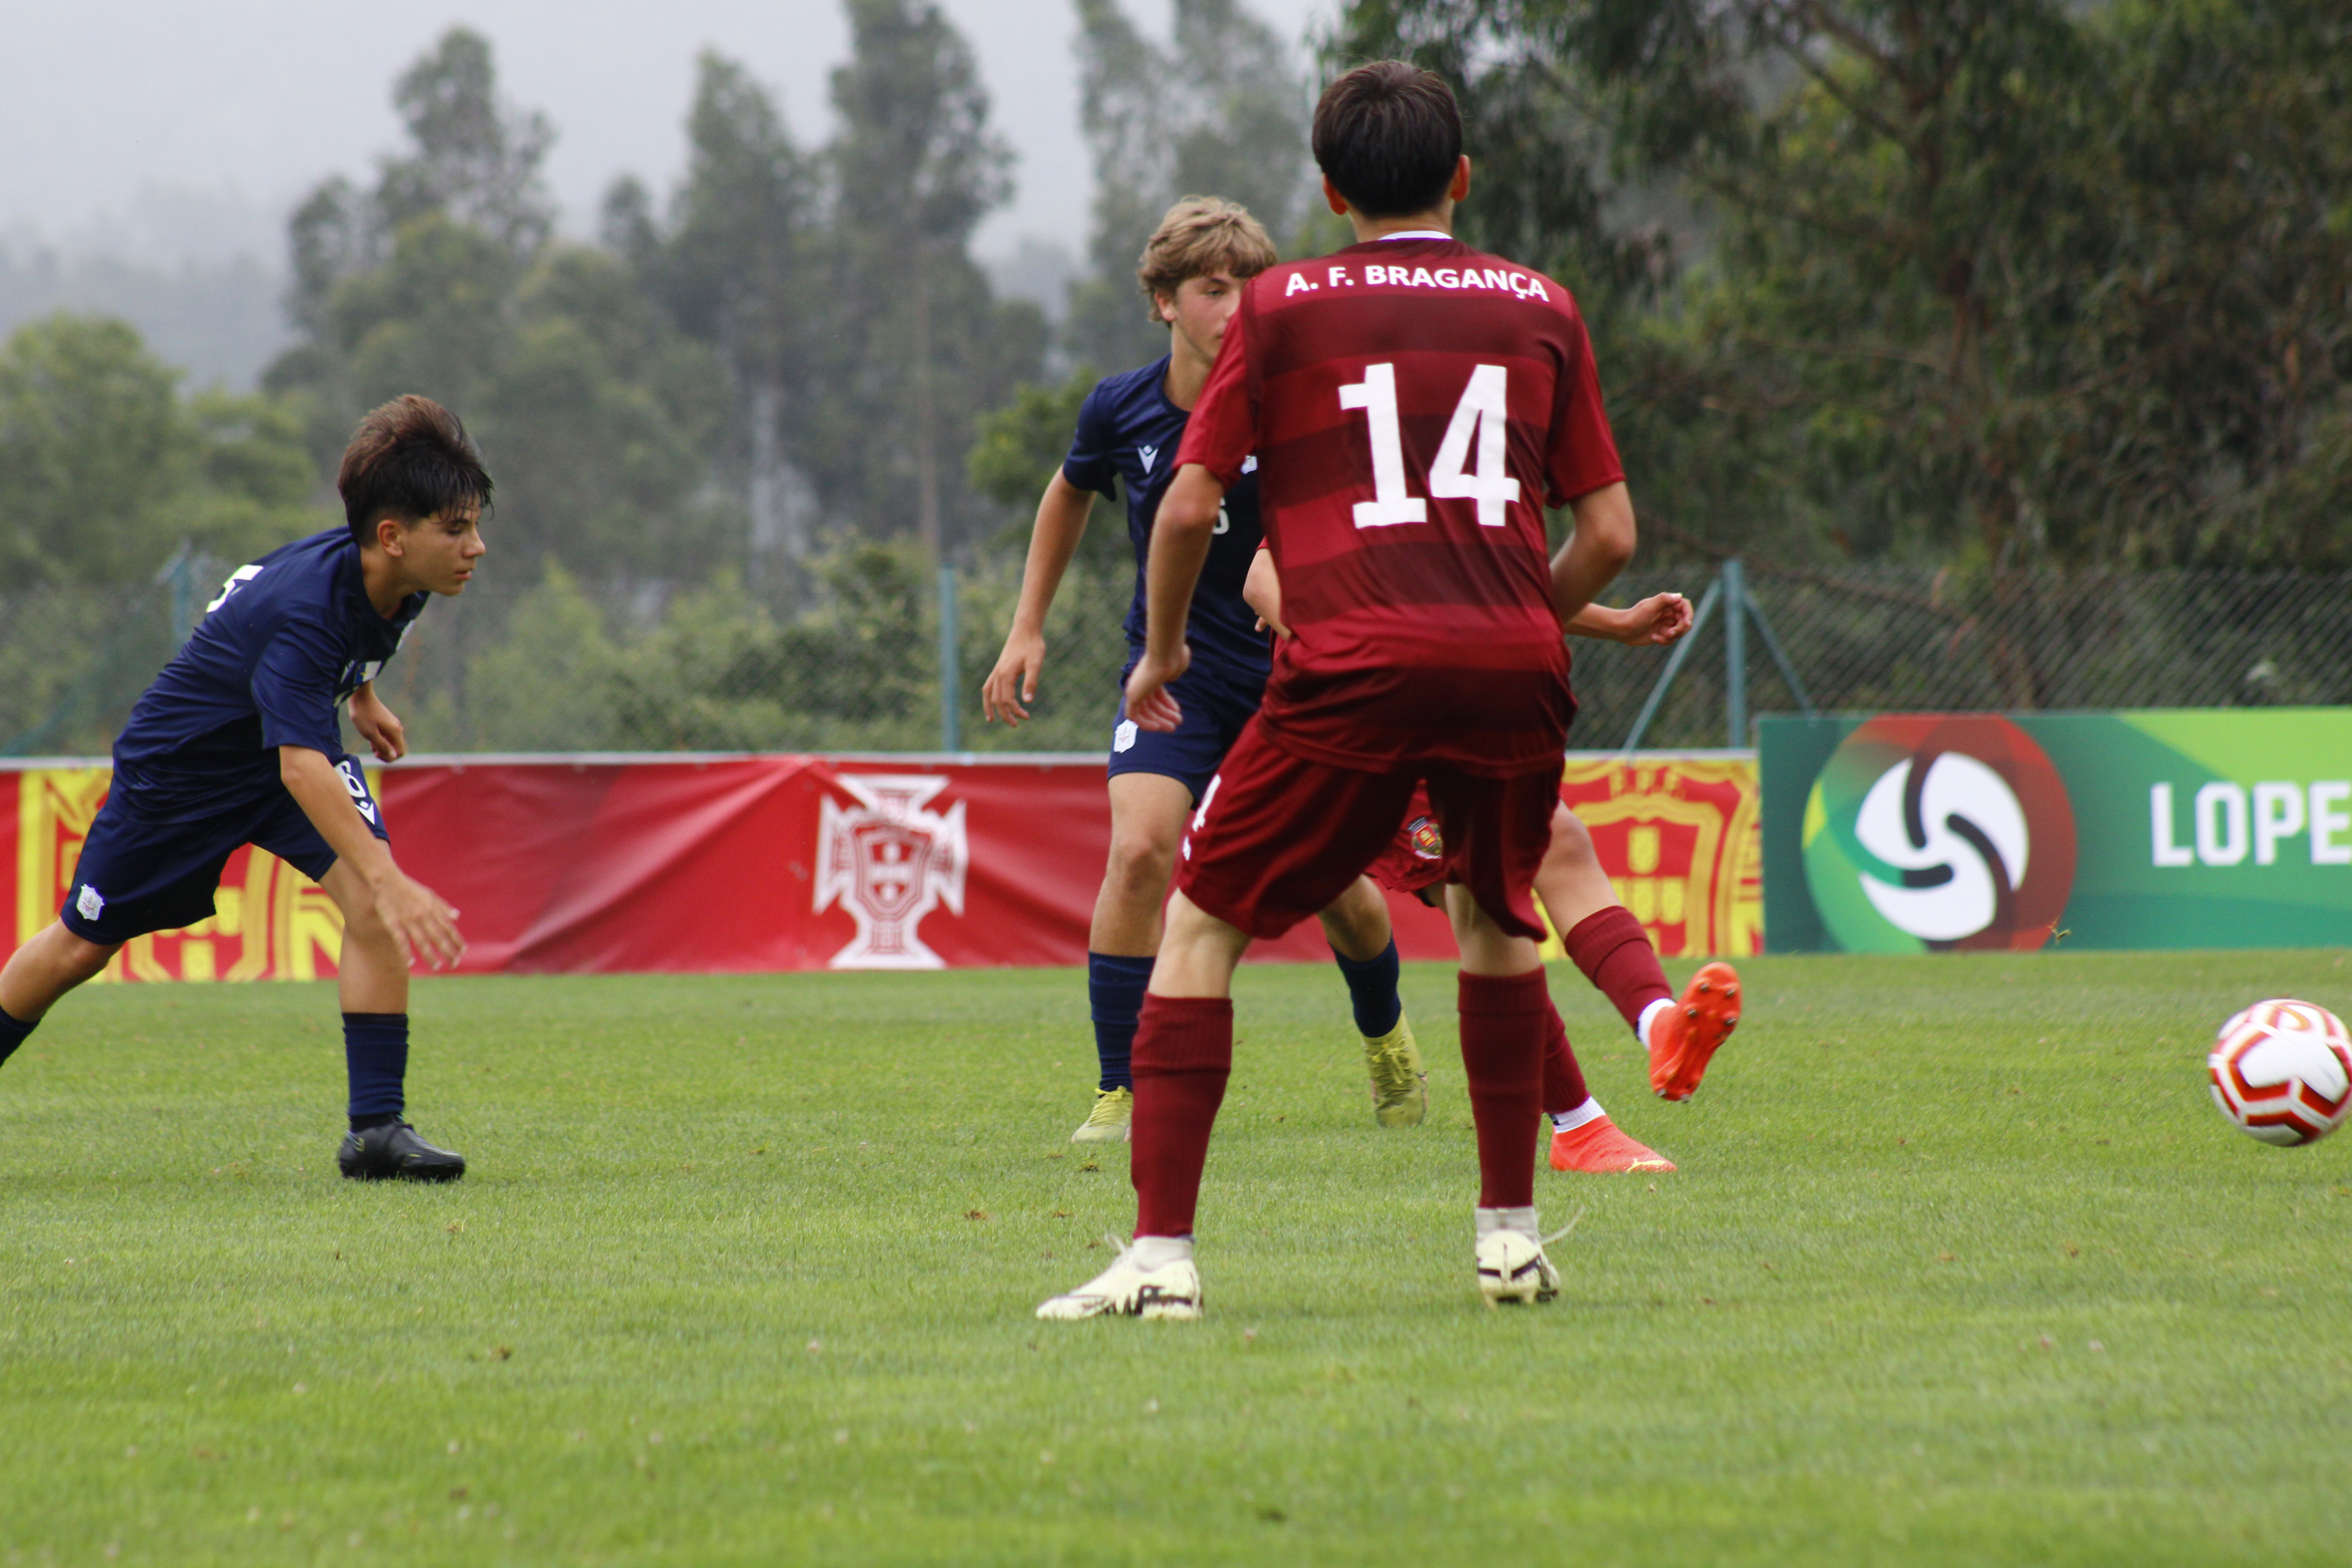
x,y
1388,135
410,460
1198,237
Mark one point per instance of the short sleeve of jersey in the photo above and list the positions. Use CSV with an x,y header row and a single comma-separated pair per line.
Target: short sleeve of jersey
x,y
1088,466
294,689
1583,455
1223,431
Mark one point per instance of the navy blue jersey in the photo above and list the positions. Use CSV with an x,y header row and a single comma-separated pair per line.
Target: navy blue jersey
x,y
289,637
1128,431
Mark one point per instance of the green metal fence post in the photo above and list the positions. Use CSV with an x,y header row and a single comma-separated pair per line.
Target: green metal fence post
x,y
950,665
1779,656
1735,653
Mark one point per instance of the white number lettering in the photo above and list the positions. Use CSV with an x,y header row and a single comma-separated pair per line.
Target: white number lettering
x,y
236,579
1484,410
357,789
1391,504
1483,416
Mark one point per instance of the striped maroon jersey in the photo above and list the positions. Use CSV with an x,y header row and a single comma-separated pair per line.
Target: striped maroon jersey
x,y
1414,406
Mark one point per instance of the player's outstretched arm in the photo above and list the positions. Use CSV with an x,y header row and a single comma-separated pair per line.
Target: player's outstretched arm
x,y
378,725
423,926
1061,524
1180,534
1262,592
1660,619
1596,552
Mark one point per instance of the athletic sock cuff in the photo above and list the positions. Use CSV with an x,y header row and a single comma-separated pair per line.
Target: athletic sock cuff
x,y
1590,941
1378,960
12,1032
1503,995
1184,1034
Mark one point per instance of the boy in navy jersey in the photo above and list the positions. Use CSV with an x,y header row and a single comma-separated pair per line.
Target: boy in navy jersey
x,y
237,742
1128,429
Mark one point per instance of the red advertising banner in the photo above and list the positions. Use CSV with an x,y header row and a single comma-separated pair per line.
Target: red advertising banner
x,y
599,865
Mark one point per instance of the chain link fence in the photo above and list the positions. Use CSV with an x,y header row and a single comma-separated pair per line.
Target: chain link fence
x,y
72,660
563,664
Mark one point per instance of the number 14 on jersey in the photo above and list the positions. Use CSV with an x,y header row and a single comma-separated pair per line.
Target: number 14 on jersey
x,y
1472,460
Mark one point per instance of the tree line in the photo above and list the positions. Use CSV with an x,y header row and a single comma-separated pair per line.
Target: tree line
x,y
1999,284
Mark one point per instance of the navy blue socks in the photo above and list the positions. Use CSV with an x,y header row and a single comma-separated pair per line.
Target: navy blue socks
x,y
12,1031
375,1049
1372,987
1115,992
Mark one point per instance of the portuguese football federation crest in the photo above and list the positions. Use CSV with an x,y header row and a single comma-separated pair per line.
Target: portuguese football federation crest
x,y
1929,832
889,860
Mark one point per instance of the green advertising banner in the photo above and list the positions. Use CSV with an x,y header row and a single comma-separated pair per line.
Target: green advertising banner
x,y
2169,827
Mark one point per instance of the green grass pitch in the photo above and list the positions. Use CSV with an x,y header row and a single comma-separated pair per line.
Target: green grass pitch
x,y
1960,1268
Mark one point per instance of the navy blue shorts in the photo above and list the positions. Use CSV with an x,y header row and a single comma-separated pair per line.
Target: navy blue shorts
x,y
137,875
1215,708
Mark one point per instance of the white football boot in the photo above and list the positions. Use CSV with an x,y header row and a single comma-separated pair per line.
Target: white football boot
x,y
1154,1276
1512,1268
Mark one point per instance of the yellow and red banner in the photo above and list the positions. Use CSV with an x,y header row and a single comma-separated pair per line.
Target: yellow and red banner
x,y
609,864
1680,839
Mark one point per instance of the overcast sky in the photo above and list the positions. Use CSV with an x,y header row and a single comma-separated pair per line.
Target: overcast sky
x,y
101,99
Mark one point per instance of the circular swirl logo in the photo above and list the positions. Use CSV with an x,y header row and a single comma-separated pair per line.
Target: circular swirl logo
x,y
1928,833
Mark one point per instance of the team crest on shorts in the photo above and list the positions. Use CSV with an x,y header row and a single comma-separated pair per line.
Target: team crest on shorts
x,y
90,903
889,860
1427,843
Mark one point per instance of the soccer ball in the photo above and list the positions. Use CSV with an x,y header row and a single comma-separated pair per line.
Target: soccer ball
x,y
2283,1071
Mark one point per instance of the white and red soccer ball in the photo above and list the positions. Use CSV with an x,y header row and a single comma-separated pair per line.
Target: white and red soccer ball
x,y
2283,1071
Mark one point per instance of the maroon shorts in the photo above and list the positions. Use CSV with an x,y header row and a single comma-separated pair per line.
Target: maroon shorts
x,y
1277,839
1414,861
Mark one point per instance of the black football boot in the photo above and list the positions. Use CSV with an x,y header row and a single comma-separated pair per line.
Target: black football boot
x,y
395,1150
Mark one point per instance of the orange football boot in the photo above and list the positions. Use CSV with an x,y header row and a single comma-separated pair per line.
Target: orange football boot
x,y
1598,1147
1685,1035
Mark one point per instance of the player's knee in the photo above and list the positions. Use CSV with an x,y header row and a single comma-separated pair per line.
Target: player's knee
x,y
1141,863
361,919
1357,918
1571,844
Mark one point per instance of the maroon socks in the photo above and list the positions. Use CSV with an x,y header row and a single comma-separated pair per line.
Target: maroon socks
x,y
1615,954
1502,1041
1563,1079
1183,1054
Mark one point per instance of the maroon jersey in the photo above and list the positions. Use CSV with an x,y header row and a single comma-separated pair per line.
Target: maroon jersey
x,y
1413,405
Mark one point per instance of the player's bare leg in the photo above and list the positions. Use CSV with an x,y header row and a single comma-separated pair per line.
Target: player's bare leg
x,y
1148,812
372,983
45,968
1363,939
1681,1036
1573,888
1184,1056
1571,882
1503,1001
52,964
